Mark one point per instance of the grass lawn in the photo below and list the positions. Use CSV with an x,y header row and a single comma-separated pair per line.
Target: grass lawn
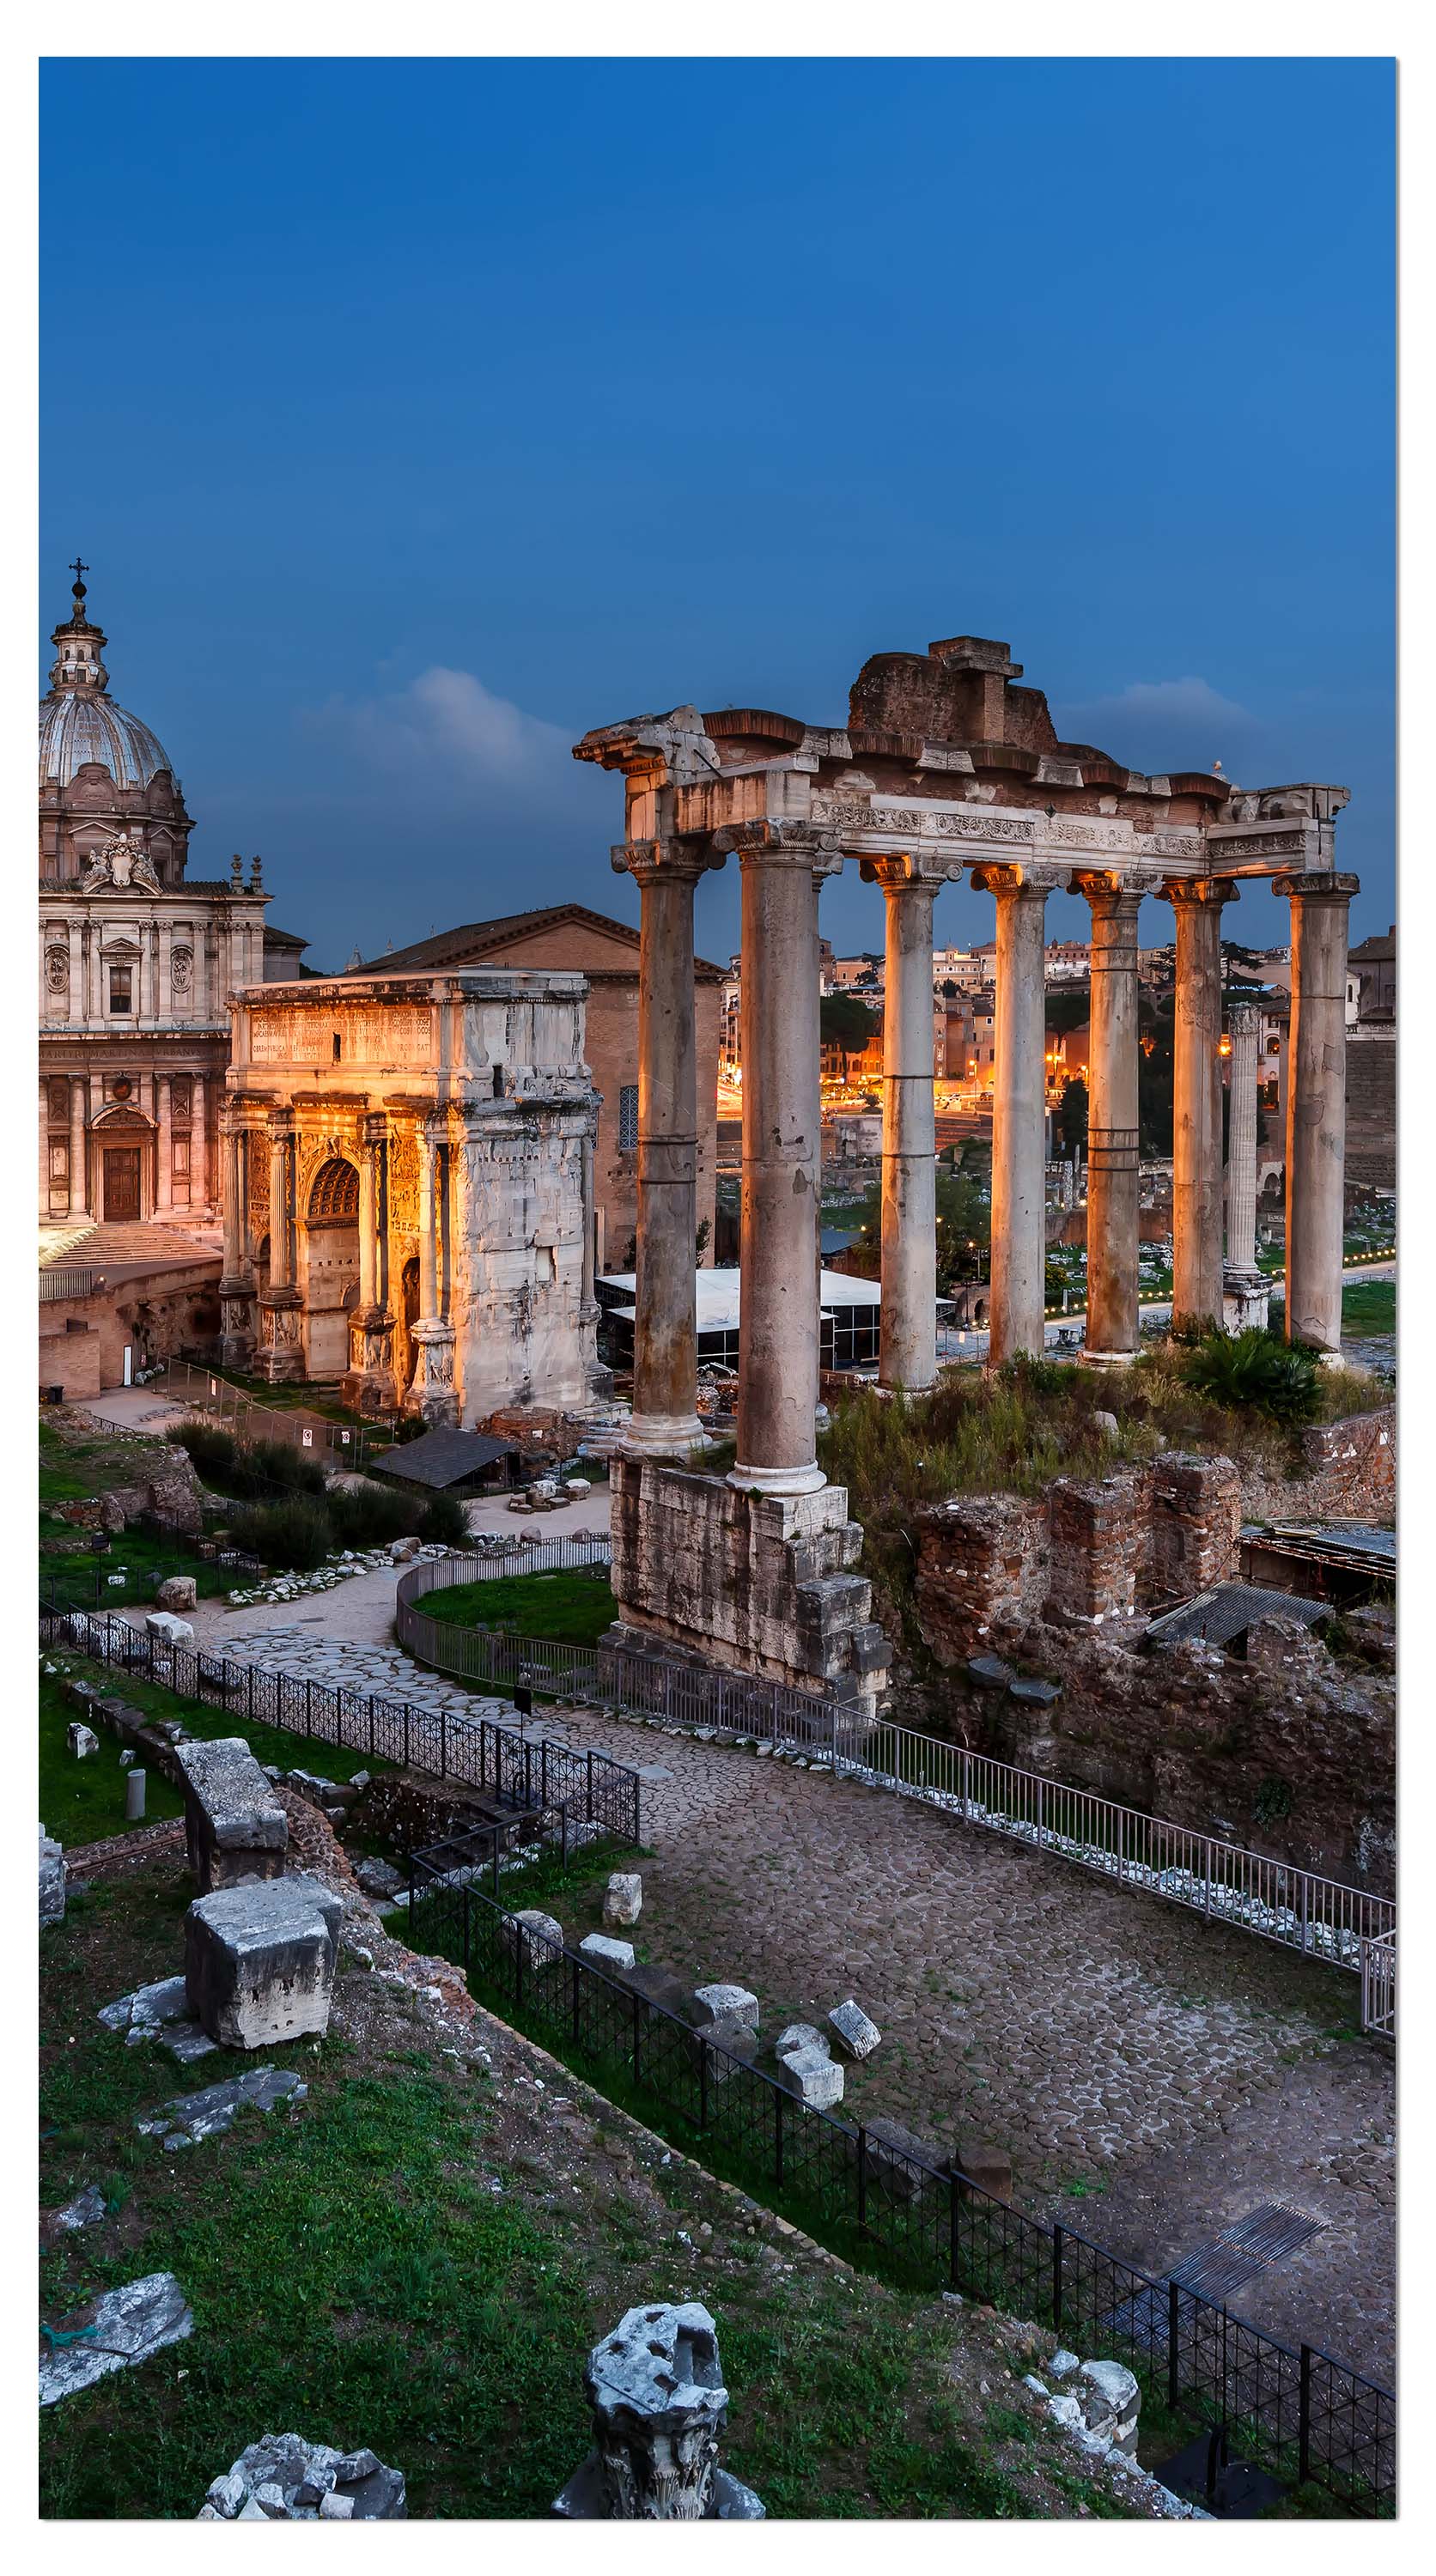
x,y
572,1609
420,2257
142,1556
84,1802
1369,1306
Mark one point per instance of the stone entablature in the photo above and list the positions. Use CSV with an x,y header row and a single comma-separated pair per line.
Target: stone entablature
x,y
410,1183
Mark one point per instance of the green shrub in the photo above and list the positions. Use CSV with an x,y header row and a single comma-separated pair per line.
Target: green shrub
x,y
293,1532
1254,1370
365,1515
443,1522
272,1465
211,1450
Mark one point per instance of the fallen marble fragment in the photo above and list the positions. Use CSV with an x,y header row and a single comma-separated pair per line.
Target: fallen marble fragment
x,y
121,2327
195,2116
283,2478
86,2210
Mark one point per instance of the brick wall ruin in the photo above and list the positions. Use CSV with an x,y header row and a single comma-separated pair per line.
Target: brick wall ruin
x,y
1289,1751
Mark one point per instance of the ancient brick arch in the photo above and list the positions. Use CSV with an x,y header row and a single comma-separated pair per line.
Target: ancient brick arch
x,y
334,1194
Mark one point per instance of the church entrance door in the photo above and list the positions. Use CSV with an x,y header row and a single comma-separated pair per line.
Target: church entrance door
x,y
122,1183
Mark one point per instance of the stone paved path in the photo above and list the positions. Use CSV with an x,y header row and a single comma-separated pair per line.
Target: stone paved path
x,y
1152,2076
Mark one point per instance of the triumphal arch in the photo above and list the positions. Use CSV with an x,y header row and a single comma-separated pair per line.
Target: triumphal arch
x,y
944,766
408,1166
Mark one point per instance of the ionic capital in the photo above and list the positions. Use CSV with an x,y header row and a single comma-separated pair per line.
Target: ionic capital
x,y
1010,883
1199,892
679,861
1319,886
902,872
767,843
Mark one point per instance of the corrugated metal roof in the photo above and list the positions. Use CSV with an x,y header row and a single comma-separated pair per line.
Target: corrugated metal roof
x,y
443,1457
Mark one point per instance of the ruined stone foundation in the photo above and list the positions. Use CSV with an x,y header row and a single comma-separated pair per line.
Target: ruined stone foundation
x,y
761,1581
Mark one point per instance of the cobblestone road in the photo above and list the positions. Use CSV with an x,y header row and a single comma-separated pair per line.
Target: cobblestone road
x,y
1152,2077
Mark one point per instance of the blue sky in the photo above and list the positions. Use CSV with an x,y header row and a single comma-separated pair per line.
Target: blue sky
x,y
415,416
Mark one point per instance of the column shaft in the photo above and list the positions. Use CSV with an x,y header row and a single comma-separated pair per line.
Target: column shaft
x,y
665,1332
908,1344
1316,1107
782,1108
233,1144
428,1226
1019,1122
1112,1221
368,1225
1244,1022
164,1104
79,1177
1197,1102
281,1248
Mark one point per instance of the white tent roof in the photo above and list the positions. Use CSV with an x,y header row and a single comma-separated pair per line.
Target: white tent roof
x,y
718,1295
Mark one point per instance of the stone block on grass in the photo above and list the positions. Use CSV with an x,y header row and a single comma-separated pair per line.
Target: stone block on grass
x,y
622,1900
538,1935
52,1879
857,2037
177,1592
603,1952
235,1828
81,1740
731,2004
259,1961
814,2076
118,2328
989,2167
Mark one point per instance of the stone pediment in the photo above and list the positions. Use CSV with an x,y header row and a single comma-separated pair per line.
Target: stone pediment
x,y
122,1118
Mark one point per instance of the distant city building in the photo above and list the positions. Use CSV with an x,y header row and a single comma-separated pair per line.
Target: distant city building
x,y
569,935
137,961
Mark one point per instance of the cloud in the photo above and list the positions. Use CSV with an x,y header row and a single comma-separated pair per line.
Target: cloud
x,y
1177,721
448,731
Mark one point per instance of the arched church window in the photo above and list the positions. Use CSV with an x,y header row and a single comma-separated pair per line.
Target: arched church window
x,y
334,1198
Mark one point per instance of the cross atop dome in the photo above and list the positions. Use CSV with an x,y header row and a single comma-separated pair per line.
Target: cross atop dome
x,y
78,644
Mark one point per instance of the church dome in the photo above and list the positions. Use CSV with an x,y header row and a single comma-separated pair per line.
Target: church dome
x,y
75,728
80,721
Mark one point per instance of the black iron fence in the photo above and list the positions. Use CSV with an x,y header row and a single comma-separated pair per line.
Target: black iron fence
x,y
476,1751
1305,2416
1298,1909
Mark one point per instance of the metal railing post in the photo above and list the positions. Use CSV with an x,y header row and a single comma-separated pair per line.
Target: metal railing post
x,y
702,2081
573,1963
466,1927
443,1744
1303,2437
862,2177
1172,2321
779,2098
954,2233
1059,2239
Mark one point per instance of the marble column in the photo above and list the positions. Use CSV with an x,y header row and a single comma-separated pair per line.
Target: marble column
x,y
431,1391
664,1422
1316,1107
1244,1290
369,1382
282,1303
1197,1099
1112,1156
236,1286
1017,1304
164,1121
907,1349
79,1175
782,865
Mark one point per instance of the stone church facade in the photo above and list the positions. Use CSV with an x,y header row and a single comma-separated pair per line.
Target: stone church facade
x,y
408,1187
137,962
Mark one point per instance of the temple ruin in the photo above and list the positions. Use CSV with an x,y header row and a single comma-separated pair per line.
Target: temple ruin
x,y
944,766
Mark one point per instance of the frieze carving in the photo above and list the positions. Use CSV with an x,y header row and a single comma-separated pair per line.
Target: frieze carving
x,y
1261,845
403,1183
181,969
984,827
257,1149
57,969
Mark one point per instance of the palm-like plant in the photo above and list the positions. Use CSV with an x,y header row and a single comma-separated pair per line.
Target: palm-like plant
x,y
1255,1370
